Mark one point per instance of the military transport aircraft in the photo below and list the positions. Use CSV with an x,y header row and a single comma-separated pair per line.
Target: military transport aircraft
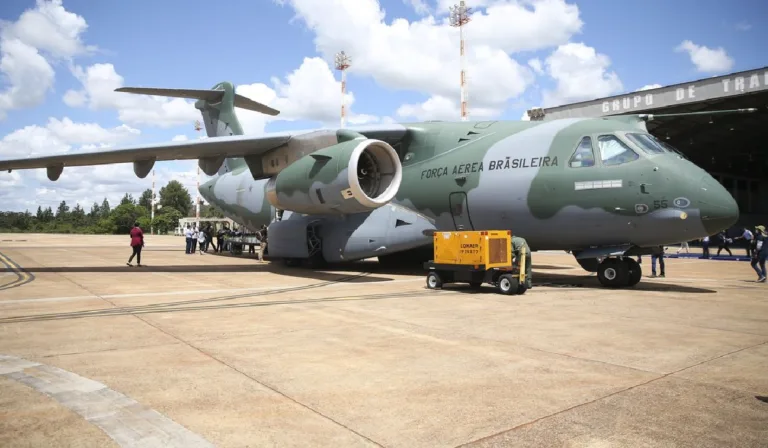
x,y
602,188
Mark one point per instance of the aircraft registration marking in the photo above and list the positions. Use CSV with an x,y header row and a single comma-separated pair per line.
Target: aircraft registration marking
x,y
597,184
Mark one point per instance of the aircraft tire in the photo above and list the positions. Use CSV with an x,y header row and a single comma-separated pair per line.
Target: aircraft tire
x,y
613,273
635,271
434,281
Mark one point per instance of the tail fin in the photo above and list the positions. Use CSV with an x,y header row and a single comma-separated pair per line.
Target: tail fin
x,y
217,105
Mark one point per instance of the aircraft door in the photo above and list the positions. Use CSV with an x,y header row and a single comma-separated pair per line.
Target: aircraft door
x,y
460,211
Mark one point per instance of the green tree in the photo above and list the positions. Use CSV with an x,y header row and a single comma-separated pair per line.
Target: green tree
x,y
174,195
95,211
125,215
62,212
48,215
146,199
127,199
211,211
39,214
77,216
105,209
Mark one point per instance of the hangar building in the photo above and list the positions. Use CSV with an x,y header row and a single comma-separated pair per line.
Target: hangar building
x,y
730,147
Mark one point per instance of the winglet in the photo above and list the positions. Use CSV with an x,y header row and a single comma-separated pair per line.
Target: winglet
x,y
211,96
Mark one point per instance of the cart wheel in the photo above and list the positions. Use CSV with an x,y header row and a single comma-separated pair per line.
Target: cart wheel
x,y
507,284
434,281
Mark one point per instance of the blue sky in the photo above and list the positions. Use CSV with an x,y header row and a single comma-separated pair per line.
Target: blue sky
x,y
564,51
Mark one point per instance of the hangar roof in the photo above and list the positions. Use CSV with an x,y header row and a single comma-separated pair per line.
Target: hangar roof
x,y
727,144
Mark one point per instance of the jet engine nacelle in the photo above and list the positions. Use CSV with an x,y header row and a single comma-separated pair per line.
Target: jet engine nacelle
x,y
351,177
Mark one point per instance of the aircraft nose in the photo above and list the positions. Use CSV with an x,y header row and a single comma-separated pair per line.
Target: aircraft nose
x,y
719,210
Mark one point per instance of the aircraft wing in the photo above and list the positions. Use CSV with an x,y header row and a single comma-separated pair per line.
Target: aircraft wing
x,y
211,152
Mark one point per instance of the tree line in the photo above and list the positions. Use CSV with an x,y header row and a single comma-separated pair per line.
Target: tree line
x,y
174,203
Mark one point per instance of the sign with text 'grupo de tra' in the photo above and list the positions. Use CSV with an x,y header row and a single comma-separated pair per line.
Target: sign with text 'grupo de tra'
x,y
706,89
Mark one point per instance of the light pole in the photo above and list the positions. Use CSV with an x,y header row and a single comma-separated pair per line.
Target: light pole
x,y
342,64
460,17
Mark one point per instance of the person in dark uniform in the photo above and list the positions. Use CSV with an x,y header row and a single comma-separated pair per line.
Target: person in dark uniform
x,y
724,243
137,243
760,252
660,258
518,244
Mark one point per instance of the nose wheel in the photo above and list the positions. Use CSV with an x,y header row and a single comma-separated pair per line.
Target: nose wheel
x,y
618,273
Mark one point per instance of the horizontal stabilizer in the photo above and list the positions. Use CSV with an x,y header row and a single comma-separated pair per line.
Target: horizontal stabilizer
x,y
211,96
650,117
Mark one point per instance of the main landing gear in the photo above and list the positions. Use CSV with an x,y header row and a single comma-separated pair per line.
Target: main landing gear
x,y
619,272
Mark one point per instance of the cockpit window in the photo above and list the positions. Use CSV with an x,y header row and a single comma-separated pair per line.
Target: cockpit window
x,y
613,151
647,143
584,155
668,147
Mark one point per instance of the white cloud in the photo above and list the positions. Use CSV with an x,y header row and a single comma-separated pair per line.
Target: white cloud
x,y
99,83
706,59
581,74
648,87
536,65
24,189
180,138
47,29
420,6
441,108
423,55
743,26
58,136
311,92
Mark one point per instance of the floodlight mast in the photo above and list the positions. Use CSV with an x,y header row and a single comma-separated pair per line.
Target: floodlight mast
x,y
460,17
342,64
198,128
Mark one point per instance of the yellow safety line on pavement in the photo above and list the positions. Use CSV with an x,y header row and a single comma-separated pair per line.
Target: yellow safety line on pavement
x,y
22,277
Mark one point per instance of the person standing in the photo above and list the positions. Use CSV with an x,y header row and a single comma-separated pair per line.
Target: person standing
x,y
188,235
660,258
201,240
747,236
137,243
760,253
705,247
684,245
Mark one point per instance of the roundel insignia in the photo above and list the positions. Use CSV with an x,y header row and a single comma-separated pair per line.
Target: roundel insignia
x,y
641,208
681,202
683,215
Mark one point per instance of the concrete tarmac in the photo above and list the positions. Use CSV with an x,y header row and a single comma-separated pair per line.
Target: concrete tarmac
x,y
214,350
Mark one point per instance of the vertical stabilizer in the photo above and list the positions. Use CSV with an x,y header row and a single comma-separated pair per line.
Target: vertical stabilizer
x,y
219,116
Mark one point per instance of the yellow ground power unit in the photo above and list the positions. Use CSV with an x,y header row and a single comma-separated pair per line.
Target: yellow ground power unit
x,y
476,257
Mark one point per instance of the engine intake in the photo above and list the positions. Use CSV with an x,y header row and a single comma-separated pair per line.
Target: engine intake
x,y
350,177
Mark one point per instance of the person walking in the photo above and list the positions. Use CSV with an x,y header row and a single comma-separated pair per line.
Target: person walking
x,y
724,243
684,245
705,247
137,243
760,253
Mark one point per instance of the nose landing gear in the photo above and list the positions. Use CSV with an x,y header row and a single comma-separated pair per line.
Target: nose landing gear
x,y
619,272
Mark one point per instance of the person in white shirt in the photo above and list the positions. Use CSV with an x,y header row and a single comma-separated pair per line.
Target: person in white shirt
x,y
747,236
188,235
201,241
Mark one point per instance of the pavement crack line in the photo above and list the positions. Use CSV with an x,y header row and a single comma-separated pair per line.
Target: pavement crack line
x,y
203,352
652,380
265,385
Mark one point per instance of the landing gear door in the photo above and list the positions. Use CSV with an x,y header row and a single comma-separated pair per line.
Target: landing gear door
x,y
460,211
